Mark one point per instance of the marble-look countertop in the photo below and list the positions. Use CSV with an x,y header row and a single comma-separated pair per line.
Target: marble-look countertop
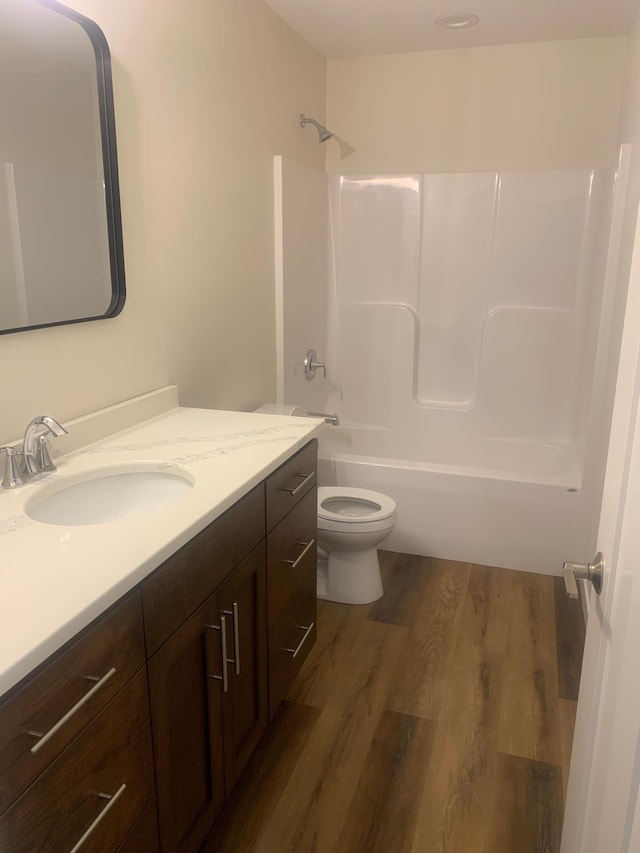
x,y
54,580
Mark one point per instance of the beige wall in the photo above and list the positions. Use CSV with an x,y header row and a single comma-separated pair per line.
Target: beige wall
x,y
206,92
630,114
551,105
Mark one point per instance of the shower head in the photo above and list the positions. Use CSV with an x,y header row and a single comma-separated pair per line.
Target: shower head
x,y
323,133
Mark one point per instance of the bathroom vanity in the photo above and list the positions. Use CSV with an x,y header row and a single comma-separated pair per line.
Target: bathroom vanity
x,y
132,733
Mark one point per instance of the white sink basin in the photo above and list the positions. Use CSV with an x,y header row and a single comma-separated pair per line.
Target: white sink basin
x,y
109,494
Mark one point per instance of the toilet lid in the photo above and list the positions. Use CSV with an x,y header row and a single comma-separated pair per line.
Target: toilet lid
x,y
351,505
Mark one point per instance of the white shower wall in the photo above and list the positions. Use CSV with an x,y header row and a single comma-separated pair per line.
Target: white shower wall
x,y
459,325
461,303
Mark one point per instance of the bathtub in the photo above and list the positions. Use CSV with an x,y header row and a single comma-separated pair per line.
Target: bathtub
x,y
524,508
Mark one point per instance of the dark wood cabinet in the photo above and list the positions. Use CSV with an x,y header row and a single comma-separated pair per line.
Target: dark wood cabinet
x,y
73,687
208,677
179,586
292,558
75,743
245,708
291,482
96,790
143,838
185,679
290,641
292,554
147,718
209,711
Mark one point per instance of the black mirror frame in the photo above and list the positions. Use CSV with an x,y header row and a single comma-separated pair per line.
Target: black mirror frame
x,y
110,167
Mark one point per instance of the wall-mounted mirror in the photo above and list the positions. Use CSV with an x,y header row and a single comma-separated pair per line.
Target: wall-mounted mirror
x,y
61,257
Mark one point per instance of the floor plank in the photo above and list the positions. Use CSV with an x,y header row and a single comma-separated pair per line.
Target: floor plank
x,y
570,634
338,628
384,810
420,684
529,723
263,780
527,816
312,810
403,580
458,789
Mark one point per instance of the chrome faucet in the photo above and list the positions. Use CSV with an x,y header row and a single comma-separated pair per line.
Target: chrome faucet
x,y
32,459
35,450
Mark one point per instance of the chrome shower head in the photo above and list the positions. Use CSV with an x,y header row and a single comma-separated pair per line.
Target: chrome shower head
x,y
323,133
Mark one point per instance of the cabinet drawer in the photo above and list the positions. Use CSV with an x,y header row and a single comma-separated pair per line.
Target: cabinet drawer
x,y
101,784
180,586
292,553
66,694
290,641
287,485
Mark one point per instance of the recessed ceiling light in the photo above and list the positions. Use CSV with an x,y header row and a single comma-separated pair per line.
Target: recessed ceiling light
x,y
457,22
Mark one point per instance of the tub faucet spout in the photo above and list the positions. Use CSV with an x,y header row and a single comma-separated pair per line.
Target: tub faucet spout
x,y
334,420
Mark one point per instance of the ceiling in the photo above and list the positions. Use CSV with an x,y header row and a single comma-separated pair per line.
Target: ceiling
x,y
340,28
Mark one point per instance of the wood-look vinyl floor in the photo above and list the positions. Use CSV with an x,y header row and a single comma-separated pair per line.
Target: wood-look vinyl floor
x,y
436,720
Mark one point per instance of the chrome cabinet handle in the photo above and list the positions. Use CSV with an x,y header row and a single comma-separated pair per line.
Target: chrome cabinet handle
x,y
112,798
44,738
307,478
236,636
224,678
307,546
307,630
584,571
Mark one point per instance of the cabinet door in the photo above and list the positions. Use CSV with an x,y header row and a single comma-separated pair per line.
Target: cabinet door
x,y
242,600
185,681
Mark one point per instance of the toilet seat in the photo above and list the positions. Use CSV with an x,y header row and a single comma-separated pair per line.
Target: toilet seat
x,y
352,506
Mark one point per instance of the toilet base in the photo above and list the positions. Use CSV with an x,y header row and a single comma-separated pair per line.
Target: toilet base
x,y
350,577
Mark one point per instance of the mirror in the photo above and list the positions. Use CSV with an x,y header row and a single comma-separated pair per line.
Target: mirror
x,y
61,258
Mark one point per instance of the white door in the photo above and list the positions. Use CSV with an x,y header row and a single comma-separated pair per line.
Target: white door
x,y
603,807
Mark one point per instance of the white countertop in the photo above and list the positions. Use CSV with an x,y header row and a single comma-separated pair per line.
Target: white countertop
x,y
54,580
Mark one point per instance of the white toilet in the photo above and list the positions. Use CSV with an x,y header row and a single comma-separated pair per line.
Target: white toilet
x,y
351,524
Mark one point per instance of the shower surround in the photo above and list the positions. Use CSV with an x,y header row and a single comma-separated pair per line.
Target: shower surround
x,y
460,319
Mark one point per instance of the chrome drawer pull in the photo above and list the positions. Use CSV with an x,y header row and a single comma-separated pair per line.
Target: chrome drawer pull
x,y
224,678
43,738
236,637
307,478
307,631
307,546
112,801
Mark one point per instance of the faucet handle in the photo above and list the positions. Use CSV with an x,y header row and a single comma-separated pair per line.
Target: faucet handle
x,y
311,364
12,468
